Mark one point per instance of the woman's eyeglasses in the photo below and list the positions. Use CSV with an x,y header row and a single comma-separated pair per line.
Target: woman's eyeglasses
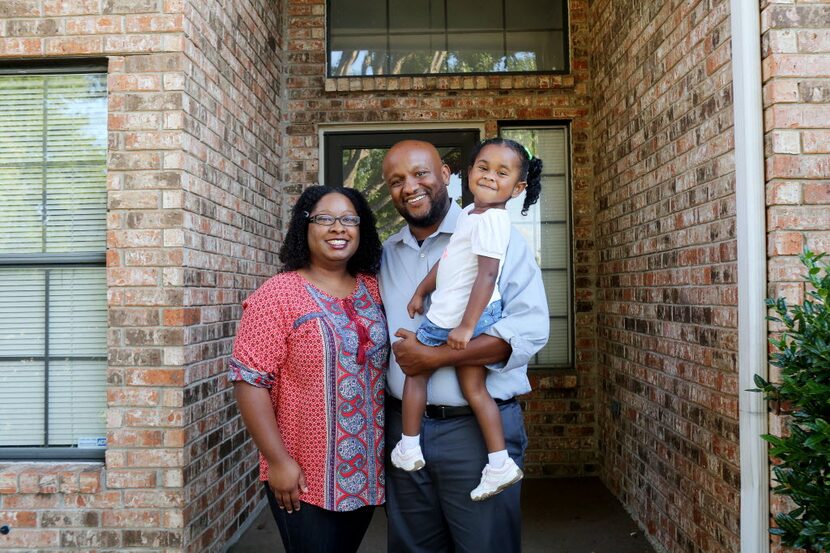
x,y
329,220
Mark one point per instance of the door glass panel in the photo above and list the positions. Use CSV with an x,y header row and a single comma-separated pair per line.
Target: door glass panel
x,y
355,160
362,171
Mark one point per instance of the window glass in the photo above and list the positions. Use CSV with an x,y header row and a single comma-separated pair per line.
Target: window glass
x,y
417,53
474,15
418,16
53,316
474,53
416,37
547,230
522,15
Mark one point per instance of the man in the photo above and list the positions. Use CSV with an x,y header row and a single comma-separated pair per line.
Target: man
x,y
430,511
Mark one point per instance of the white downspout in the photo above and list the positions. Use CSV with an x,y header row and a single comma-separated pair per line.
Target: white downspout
x,y
752,270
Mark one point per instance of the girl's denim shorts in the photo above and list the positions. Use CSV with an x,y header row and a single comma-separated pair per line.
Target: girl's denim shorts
x,y
430,334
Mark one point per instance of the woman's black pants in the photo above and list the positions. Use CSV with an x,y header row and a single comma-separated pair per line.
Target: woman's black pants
x,y
316,530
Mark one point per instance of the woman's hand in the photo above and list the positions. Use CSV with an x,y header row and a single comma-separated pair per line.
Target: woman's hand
x,y
287,481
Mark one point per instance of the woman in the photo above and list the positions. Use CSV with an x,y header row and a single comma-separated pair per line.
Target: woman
x,y
308,370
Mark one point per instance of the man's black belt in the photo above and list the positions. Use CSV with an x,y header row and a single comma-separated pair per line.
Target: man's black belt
x,y
442,412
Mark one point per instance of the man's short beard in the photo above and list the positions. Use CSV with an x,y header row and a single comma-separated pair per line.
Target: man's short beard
x,y
434,215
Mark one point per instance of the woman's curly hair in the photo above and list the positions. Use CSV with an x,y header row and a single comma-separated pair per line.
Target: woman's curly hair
x,y
294,253
531,171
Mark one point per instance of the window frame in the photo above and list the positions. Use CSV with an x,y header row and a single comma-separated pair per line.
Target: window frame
x,y
566,57
55,260
571,308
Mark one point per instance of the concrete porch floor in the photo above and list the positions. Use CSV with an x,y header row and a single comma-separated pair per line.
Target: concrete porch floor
x,y
563,515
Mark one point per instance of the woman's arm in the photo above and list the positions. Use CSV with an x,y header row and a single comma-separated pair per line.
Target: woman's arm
x,y
285,476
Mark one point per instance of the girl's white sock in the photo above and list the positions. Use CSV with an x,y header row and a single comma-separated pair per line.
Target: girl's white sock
x,y
497,459
408,442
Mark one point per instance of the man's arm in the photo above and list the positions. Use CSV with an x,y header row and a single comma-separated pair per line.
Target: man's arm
x,y
525,322
415,358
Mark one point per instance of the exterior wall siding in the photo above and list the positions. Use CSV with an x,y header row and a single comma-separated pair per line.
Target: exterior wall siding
x,y
193,204
560,413
666,298
231,198
133,501
795,50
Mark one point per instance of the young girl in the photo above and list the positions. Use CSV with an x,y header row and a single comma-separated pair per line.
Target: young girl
x,y
466,302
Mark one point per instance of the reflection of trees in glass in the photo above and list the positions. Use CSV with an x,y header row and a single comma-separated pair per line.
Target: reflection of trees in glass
x,y
53,142
413,63
366,62
358,62
362,170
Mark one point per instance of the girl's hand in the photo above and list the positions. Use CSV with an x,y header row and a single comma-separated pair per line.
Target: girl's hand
x,y
287,481
415,305
459,337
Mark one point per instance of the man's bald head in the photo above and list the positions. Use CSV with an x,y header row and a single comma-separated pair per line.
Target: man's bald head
x,y
417,180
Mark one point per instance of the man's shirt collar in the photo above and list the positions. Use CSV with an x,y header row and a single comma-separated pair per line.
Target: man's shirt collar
x,y
447,226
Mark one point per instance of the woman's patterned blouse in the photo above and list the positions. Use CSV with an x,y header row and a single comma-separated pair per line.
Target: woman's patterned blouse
x,y
324,360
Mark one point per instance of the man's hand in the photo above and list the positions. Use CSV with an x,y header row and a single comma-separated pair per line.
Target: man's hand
x,y
415,305
459,337
414,357
287,481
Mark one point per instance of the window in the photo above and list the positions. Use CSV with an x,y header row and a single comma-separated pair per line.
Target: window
x,y
53,316
416,37
547,227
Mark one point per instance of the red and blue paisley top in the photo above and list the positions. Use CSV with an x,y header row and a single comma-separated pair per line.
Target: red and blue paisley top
x,y
324,360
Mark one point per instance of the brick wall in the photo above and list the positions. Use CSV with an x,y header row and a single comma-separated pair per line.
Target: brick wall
x,y
796,75
136,501
231,200
560,413
666,297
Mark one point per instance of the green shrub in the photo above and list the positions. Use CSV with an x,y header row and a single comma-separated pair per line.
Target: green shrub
x,y
803,357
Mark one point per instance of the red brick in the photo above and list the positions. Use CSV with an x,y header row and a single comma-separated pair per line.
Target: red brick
x,y
73,45
154,23
181,317
786,243
155,377
132,518
28,539
19,519
92,25
817,193
131,479
70,7
21,46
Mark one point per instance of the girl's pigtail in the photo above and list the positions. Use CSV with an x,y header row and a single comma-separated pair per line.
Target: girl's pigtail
x,y
534,183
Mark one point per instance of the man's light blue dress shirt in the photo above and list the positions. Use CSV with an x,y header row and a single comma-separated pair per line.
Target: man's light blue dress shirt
x,y
525,323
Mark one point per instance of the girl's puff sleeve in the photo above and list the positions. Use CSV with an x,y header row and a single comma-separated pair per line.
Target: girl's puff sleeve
x,y
260,346
491,234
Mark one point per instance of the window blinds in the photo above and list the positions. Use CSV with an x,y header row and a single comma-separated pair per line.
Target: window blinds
x,y
53,148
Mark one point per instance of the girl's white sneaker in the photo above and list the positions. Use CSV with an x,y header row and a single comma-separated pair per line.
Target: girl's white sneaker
x,y
494,481
410,460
